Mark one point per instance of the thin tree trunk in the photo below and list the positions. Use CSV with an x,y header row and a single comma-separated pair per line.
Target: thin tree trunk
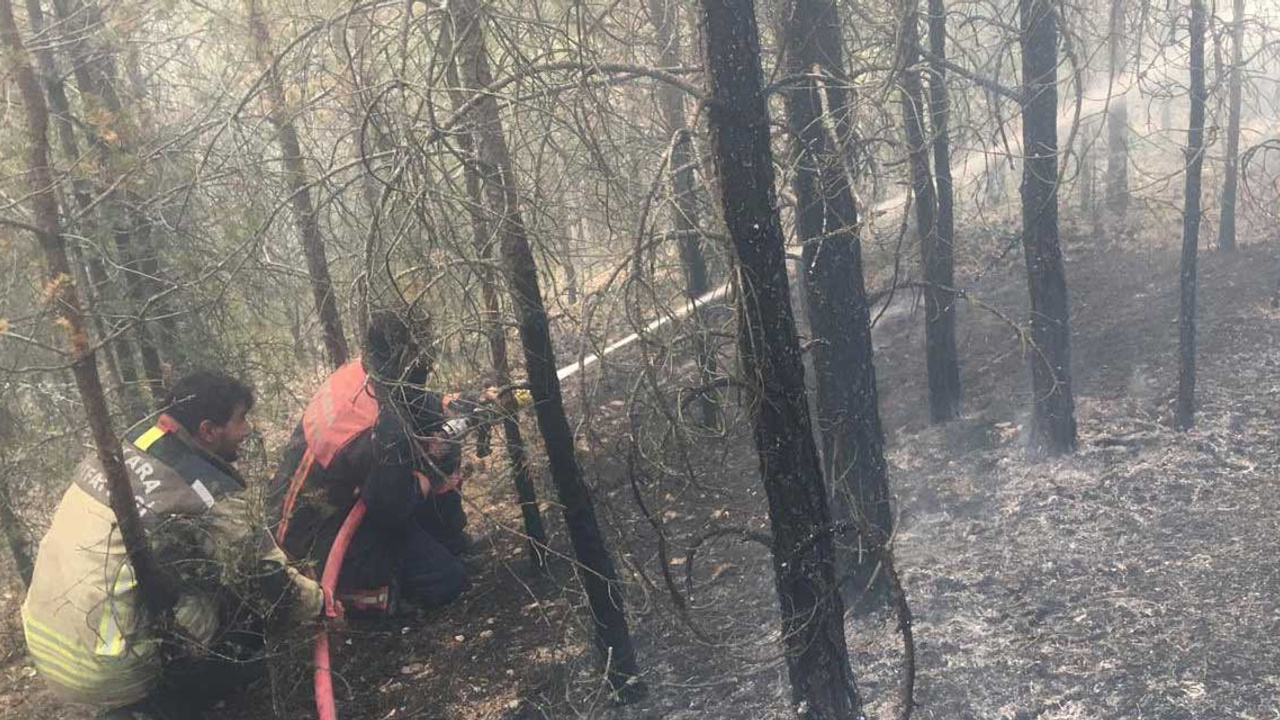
x,y
1088,168
83,194
1053,424
613,638
848,409
496,333
664,15
1117,119
1227,225
17,540
935,250
14,535
822,682
296,183
363,117
94,72
1184,417
945,247
154,586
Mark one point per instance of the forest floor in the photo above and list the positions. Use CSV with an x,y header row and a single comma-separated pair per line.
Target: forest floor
x,y
1137,578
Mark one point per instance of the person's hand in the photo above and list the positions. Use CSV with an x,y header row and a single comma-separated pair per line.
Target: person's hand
x,y
333,614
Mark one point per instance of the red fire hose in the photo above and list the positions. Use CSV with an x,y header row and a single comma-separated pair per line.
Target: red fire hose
x,y
329,582
323,681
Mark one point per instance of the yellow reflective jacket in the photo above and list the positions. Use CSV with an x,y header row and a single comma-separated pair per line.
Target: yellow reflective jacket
x,y
85,625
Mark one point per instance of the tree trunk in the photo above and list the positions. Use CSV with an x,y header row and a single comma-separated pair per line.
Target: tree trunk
x,y
848,409
156,590
1227,226
1053,424
935,249
822,683
664,15
81,190
944,249
493,160
94,71
1184,417
296,183
1117,120
1088,169
14,535
496,333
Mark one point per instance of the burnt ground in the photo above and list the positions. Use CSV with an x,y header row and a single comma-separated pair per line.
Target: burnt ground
x,y
1135,579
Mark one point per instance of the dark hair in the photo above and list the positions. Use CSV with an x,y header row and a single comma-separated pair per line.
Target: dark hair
x,y
396,346
208,396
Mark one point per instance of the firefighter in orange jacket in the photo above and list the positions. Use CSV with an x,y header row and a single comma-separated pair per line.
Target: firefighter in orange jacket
x,y
372,432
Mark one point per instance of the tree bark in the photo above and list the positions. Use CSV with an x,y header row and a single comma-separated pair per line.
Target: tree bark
x,y
1053,424
156,590
296,183
1088,168
17,540
822,682
94,71
496,334
493,160
1184,417
848,409
82,191
15,537
1117,119
1227,225
936,253
944,249
664,15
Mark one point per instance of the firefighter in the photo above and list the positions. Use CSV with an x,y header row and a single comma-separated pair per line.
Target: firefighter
x,y
374,432
86,626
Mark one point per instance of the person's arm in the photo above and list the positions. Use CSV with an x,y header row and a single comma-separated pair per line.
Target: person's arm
x,y
260,564
390,490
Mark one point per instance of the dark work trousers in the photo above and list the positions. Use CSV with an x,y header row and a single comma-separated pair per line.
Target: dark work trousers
x,y
422,559
190,684
431,569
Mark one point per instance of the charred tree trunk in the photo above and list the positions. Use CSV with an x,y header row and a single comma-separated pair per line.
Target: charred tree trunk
x,y
156,590
482,240
935,250
1184,417
1227,225
296,183
945,248
493,161
822,683
1117,119
848,409
94,71
697,280
1053,423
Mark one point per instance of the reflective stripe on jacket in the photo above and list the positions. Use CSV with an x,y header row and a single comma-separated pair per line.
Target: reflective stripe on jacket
x,y
84,622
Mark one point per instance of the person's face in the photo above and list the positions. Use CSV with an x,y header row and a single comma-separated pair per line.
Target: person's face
x,y
224,440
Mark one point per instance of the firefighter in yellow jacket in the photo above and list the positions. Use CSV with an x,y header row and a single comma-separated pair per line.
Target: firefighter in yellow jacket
x,y
85,625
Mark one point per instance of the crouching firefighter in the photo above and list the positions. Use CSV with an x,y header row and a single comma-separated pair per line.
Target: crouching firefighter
x,y
86,626
372,432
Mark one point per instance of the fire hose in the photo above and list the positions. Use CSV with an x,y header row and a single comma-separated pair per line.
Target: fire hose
x,y
453,431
